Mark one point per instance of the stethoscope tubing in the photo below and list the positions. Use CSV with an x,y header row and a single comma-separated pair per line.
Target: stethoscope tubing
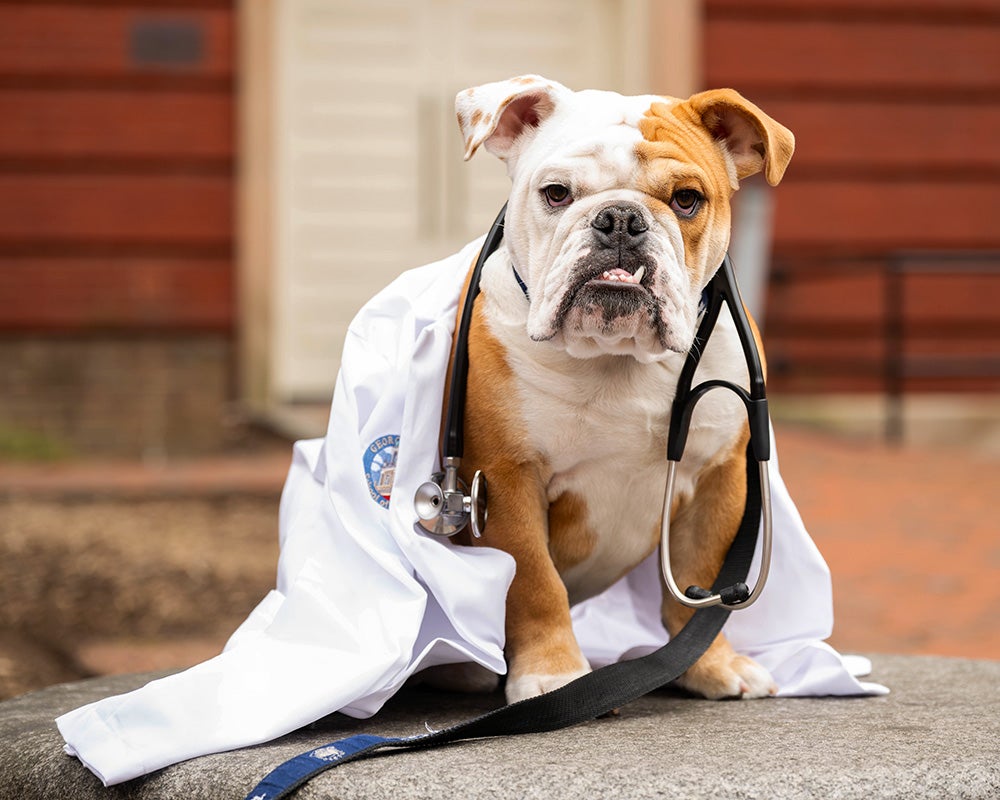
x,y
717,598
721,289
453,446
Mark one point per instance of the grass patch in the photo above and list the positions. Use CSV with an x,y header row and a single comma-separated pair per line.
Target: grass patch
x,y
18,444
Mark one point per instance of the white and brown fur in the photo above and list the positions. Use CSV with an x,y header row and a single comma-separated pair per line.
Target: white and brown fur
x,y
568,402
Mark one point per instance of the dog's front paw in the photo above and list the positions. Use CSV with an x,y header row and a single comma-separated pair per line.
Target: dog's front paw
x,y
728,676
521,687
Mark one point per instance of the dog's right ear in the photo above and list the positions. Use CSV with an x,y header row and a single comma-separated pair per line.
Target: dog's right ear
x,y
498,115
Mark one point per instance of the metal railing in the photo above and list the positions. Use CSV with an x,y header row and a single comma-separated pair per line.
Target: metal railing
x,y
897,328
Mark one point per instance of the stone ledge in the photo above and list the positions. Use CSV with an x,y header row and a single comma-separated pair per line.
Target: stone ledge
x,y
936,735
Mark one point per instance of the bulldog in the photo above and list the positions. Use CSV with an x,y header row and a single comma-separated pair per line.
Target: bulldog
x,y
618,216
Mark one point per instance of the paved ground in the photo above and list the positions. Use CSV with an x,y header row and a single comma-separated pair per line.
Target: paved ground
x,y
910,536
932,737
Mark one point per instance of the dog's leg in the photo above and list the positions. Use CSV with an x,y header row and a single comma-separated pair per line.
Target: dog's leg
x,y
541,650
700,535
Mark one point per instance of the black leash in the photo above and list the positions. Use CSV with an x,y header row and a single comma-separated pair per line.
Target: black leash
x,y
585,699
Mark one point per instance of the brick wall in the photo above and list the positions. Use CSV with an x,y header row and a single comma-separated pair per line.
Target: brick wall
x,y
116,265
152,396
895,106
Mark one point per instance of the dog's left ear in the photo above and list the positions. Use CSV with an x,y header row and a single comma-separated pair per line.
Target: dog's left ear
x,y
754,140
500,114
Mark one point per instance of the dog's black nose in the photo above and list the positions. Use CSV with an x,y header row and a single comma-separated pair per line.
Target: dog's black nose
x,y
616,226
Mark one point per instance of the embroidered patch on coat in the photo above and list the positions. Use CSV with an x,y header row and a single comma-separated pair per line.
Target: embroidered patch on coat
x,y
380,467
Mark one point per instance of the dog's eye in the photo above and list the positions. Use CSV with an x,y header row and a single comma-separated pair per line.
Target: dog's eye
x,y
557,195
686,202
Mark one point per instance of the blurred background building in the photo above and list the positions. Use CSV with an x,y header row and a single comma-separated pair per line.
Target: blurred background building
x,y
197,195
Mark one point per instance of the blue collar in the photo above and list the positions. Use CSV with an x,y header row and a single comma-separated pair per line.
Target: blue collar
x,y
521,283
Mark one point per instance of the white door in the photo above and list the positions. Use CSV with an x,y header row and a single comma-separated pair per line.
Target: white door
x,y
369,175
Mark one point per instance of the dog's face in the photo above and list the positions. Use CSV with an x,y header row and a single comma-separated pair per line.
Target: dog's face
x,y
619,207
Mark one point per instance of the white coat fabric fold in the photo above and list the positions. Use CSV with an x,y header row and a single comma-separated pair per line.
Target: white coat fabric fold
x,y
363,600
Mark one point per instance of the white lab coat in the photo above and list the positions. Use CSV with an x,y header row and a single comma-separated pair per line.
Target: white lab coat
x,y
363,600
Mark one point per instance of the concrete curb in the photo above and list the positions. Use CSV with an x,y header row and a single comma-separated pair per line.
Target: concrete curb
x,y
260,475
936,735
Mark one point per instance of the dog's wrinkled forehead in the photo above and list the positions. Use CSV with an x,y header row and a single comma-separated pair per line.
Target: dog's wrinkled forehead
x,y
533,114
597,152
588,124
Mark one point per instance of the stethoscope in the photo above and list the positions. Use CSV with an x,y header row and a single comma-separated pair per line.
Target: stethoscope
x,y
445,505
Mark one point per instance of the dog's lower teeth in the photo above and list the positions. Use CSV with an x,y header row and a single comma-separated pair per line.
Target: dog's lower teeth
x,y
621,276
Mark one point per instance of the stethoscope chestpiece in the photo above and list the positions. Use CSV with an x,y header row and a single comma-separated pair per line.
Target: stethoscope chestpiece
x,y
444,508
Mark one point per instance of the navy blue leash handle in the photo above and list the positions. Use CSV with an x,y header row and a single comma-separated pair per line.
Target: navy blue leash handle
x,y
582,700
586,698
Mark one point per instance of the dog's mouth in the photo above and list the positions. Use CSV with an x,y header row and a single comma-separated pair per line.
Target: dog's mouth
x,y
616,302
612,299
621,277
620,289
